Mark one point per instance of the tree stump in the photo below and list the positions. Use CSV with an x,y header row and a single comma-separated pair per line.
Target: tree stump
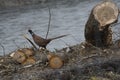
x,y
97,28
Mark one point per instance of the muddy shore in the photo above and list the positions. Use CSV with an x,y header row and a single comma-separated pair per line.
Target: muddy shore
x,y
82,62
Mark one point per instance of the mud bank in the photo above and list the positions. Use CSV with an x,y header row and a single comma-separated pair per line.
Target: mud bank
x,y
81,62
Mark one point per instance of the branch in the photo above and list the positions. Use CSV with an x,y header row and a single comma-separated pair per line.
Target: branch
x,y
31,65
75,38
30,42
90,56
115,24
16,44
3,49
65,43
48,22
117,34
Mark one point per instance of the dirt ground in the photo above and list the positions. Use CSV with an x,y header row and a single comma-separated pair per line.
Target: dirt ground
x,y
81,62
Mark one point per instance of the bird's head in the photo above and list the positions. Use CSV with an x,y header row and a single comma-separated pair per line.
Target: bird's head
x,y
30,31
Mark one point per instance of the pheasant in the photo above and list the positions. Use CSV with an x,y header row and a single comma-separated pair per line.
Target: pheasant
x,y
42,42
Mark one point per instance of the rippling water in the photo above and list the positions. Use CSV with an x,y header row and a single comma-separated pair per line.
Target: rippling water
x,y
67,18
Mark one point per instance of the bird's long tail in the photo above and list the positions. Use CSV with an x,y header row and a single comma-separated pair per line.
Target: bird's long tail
x,y
58,37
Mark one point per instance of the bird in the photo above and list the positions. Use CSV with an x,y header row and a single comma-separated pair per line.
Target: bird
x,y
42,42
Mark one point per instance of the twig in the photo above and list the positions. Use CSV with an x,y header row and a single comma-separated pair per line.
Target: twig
x,y
48,22
24,67
30,42
91,56
3,49
115,24
16,44
75,38
116,35
31,65
65,43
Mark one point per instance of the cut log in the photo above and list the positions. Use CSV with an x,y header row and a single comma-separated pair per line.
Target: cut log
x,y
18,56
55,61
29,61
28,51
106,13
97,30
22,54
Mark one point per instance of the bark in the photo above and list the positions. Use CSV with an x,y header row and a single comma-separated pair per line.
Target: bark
x,y
97,28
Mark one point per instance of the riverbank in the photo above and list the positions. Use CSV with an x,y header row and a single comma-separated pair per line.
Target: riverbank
x,y
81,62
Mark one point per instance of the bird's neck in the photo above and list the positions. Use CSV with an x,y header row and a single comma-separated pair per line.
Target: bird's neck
x,y
32,33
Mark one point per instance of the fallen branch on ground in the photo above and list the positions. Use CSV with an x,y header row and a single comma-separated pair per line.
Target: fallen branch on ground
x,y
30,42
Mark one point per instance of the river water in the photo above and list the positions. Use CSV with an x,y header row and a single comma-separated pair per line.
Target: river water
x,y
68,17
